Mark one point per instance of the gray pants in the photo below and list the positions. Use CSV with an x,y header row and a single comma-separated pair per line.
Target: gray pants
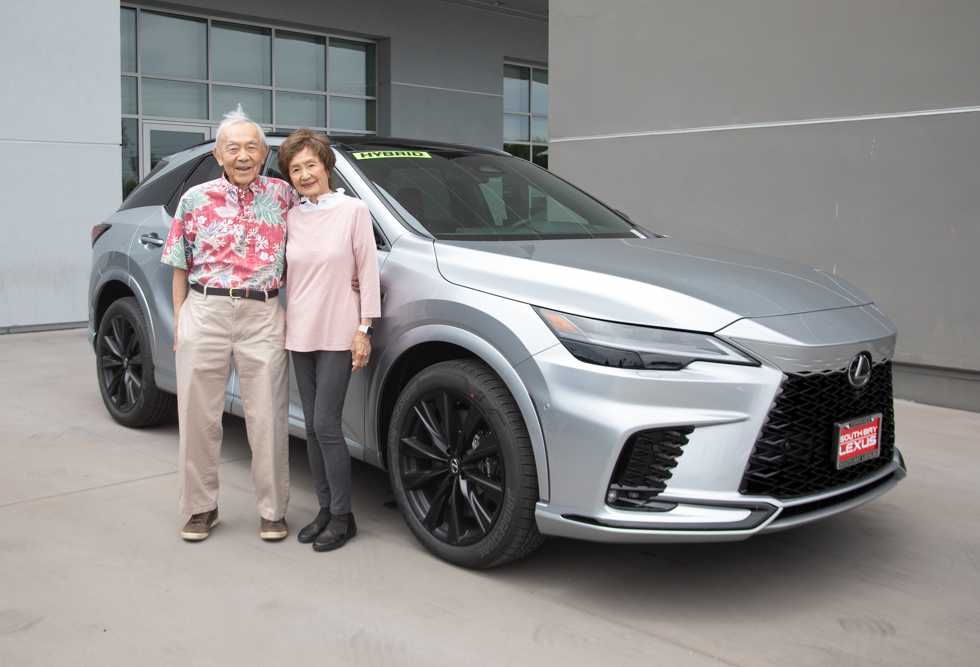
x,y
322,378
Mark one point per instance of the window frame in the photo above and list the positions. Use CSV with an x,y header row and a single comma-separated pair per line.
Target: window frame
x,y
140,117
530,115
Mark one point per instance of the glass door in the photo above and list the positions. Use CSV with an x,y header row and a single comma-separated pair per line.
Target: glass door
x,y
161,140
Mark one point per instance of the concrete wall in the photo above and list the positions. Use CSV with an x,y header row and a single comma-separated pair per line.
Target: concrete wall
x,y
441,64
844,134
59,153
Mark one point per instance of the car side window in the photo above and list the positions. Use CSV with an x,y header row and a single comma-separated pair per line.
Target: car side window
x,y
272,171
160,191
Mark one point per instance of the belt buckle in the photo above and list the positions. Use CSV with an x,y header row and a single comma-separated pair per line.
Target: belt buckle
x,y
231,292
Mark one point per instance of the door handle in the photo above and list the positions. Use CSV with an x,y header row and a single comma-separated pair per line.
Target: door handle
x,y
151,239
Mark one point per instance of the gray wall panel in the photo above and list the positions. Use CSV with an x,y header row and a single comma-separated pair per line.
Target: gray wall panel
x,y
637,66
59,153
447,116
890,203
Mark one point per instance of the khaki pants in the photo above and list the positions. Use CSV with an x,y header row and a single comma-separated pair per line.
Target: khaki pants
x,y
210,331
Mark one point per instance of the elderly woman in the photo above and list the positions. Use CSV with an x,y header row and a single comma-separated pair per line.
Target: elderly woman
x,y
328,326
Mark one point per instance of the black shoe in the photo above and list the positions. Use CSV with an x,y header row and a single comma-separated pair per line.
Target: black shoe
x,y
313,530
336,535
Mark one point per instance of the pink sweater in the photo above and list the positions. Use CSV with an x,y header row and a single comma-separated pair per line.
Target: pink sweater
x,y
325,248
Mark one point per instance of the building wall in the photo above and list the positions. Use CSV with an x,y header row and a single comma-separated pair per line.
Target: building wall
x,y
844,134
441,74
59,153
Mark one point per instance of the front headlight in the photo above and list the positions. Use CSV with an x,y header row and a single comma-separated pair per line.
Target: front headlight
x,y
631,346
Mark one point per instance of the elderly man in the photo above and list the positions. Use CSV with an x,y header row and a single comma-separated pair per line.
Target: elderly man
x,y
227,244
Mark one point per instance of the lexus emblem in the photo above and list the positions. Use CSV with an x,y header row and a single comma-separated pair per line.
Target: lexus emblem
x,y
859,370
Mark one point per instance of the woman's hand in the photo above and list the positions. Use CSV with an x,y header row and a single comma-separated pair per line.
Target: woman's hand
x,y
360,351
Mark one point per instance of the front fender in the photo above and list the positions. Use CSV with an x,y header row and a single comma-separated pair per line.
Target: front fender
x,y
489,354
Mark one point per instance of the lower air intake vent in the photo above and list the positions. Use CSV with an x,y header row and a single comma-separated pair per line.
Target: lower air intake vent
x,y
644,466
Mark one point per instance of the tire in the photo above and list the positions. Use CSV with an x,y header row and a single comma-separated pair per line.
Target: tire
x,y
462,468
124,365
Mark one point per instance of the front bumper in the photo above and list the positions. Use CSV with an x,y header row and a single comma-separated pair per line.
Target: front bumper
x,y
717,520
589,413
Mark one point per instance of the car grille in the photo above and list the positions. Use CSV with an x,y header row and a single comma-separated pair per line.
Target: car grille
x,y
793,454
645,464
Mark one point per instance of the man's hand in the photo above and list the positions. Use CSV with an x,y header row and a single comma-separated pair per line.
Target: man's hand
x,y
355,284
180,293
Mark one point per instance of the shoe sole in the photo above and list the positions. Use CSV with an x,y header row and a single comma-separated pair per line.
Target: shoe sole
x,y
197,537
273,537
347,538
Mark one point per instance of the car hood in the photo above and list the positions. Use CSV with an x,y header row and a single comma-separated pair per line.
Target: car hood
x,y
662,282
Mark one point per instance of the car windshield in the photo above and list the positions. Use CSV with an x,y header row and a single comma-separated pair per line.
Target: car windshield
x,y
465,196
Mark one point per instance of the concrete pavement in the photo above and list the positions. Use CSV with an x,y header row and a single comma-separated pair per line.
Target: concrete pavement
x,y
93,570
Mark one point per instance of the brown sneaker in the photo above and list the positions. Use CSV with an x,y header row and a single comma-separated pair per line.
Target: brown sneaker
x,y
273,530
199,526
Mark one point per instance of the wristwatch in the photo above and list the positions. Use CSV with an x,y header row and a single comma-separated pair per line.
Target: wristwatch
x,y
365,329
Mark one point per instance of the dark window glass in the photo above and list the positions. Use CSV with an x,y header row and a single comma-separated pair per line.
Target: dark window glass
x,y
174,45
522,151
159,190
540,156
128,87
127,42
300,61
130,156
455,196
207,170
517,93
351,69
539,91
241,54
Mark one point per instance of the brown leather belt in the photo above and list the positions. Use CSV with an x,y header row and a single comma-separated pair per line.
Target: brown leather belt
x,y
236,292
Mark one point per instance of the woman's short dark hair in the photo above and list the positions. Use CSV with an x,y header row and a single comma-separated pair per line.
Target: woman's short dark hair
x,y
294,144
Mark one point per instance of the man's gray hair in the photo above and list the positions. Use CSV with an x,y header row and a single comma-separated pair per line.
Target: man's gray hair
x,y
234,117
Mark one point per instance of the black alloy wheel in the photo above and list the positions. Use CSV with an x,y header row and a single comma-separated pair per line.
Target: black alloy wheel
x,y
462,466
124,365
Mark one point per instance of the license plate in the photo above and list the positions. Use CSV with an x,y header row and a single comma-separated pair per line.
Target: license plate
x,y
857,440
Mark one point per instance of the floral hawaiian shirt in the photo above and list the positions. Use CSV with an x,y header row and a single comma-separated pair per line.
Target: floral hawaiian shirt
x,y
227,236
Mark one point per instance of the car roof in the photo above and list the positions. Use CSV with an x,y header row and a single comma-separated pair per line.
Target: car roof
x,y
354,143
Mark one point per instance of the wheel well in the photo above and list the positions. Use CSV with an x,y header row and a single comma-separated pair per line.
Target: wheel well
x,y
407,367
112,291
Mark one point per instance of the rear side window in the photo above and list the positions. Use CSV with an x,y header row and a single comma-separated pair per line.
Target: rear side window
x,y
159,191
206,170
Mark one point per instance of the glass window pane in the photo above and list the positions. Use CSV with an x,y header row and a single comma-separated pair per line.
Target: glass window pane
x,y
351,114
539,91
539,129
173,46
300,61
129,95
241,54
351,67
540,156
168,142
515,128
127,41
255,102
518,150
130,156
299,109
176,99
516,88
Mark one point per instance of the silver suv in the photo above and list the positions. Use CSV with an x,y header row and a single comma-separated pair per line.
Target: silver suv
x,y
544,366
